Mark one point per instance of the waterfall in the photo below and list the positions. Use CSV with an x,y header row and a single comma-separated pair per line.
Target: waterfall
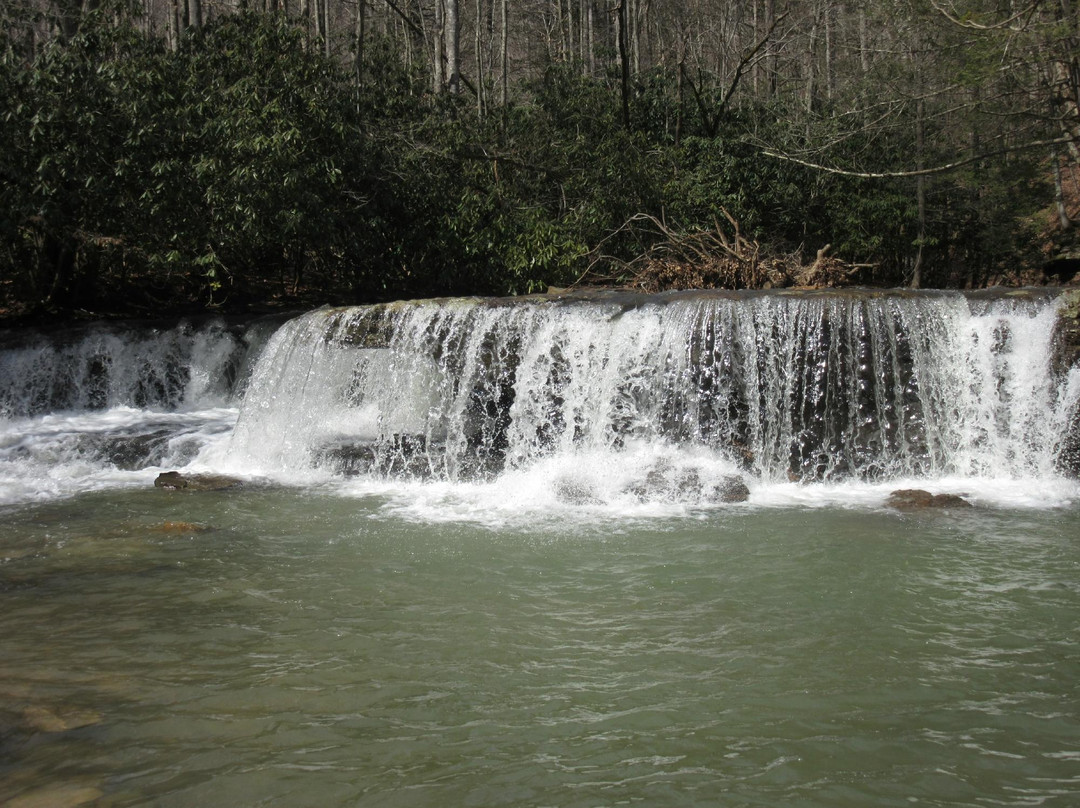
x,y
95,406
601,398
850,385
101,366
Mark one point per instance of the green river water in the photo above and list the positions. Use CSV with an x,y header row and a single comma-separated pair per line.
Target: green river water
x,y
302,648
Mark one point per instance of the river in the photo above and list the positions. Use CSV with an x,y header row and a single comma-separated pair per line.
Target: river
x,y
495,570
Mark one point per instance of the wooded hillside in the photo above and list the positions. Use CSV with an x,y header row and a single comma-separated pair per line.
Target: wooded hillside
x,y
175,153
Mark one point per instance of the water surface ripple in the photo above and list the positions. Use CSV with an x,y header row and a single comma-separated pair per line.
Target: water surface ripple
x,y
295,649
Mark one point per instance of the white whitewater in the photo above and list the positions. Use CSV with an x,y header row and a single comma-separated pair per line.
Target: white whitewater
x,y
487,409
106,406
644,402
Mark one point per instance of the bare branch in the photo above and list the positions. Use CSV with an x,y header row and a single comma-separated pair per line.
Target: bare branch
x,y
939,7
747,59
940,169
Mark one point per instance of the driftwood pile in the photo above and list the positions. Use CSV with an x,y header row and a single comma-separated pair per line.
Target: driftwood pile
x,y
721,258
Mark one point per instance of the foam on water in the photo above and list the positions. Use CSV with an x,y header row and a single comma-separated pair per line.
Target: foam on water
x,y
61,454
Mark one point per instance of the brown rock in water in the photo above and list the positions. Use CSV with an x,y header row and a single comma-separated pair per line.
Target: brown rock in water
x,y
67,795
175,481
909,499
179,527
58,719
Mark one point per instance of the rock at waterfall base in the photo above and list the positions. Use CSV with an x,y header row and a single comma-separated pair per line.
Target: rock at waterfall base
x,y
175,481
910,499
730,489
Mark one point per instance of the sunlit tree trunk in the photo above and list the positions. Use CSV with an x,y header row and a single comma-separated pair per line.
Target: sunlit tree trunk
x,y
453,50
174,28
504,58
438,73
920,195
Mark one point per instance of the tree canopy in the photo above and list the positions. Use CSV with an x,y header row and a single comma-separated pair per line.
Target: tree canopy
x,y
203,153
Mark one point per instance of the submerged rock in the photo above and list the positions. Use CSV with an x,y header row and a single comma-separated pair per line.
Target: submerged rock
x,y
907,499
179,527
65,795
58,719
175,481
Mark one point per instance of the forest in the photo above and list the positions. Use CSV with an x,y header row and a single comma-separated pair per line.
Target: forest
x,y
175,155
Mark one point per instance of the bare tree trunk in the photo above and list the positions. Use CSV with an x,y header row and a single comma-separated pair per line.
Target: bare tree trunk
x,y
438,76
453,50
361,24
920,196
679,94
864,42
1059,193
571,47
770,61
174,39
757,66
624,59
590,38
195,19
811,64
504,58
827,22
326,27
479,60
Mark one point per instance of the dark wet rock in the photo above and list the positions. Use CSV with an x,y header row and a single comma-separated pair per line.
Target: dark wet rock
x,y
730,489
396,456
1068,331
686,484
127,451
349,459
1067,355
175,481
916,499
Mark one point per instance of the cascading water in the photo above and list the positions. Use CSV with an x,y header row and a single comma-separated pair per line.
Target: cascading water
x,y
96,406
620,397
603,399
